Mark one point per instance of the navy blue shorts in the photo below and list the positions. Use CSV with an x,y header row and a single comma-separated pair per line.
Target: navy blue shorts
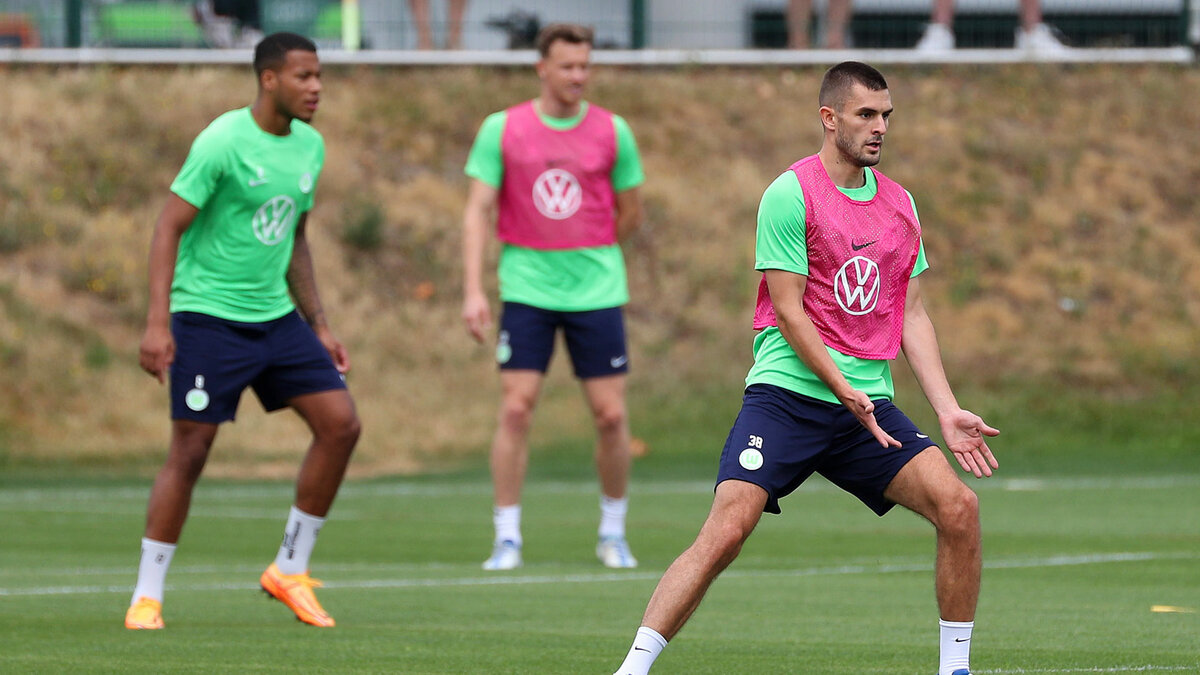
x,y
215,360
780,438
595,339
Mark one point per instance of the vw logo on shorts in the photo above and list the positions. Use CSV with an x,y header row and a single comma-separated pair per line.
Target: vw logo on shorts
x,y
557,194
751,459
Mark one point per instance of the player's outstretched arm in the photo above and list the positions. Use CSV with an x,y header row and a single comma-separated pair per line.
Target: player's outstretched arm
x,y
302,282
477,218
629,213
963,431
787,294
157,349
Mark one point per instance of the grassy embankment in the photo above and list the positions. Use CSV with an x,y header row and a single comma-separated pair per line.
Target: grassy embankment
x,y
1059,205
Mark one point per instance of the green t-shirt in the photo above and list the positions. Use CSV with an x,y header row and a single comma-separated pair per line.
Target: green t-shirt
x,y
251,188
570,280
780,244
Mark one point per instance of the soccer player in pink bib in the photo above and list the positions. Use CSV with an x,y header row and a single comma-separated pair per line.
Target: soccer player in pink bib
x,y
839,245
560,178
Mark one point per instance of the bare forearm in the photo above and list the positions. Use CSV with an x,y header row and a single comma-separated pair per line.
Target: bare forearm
x,y
804,339
302,283
164,247
173,221
629,213
475,227
921,350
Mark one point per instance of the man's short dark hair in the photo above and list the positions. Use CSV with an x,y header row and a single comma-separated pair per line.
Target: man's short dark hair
x,y
567,32
838,81
271,52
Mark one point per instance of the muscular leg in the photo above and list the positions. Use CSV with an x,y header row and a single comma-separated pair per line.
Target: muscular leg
x,y
929,486
171,495
335,427
737,507
421,17
837,23
1031,14
458,8
510,445
606,397
799,14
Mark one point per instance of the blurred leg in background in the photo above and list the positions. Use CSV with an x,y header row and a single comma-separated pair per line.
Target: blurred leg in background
x,y
454,23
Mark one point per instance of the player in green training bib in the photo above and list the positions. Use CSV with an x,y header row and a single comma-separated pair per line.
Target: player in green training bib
x,y
560,176
234,304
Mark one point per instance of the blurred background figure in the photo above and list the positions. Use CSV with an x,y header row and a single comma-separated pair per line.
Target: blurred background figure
x,y
229,23
454,23
1033,34
832,32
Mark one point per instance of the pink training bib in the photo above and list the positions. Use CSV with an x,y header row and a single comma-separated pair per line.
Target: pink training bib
x,y
557,189
860,258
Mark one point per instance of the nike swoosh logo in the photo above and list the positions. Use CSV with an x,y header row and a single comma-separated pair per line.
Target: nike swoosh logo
x,y
922,436
962,639
618,361
859,247
640,649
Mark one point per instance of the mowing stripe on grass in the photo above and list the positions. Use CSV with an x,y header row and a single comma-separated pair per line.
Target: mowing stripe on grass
x,y
1096,669
604,577
286,490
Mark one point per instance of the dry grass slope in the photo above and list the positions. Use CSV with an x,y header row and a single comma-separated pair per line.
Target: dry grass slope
x,y
1059,204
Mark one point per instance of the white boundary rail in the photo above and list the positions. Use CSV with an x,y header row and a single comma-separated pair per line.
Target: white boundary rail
x,y
620,57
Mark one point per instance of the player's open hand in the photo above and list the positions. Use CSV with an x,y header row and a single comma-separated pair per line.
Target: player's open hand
x,y
964,432
157,351
477,315
337,351
864,409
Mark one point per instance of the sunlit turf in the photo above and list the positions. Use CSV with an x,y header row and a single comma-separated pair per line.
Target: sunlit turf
x,y
1075,567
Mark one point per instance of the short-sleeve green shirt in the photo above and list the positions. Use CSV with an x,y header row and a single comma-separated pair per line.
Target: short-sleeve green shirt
x,y
570,280
251,188
781,245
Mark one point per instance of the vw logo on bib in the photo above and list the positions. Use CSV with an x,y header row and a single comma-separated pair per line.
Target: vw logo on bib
x,y
856,285
557,194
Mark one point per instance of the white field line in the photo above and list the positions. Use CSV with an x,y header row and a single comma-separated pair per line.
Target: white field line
x,y
197,510
605,577
1095,669
16,497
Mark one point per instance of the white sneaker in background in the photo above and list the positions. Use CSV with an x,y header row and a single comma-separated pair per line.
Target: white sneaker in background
x,y
937,38
614,553
1040,40
506,555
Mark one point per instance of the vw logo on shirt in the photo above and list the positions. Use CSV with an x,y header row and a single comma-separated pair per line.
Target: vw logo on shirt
x,y
274,219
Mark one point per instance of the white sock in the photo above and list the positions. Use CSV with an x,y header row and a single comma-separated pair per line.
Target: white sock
x,y
647,645
612,516
152,570
956,646
299,538
507,521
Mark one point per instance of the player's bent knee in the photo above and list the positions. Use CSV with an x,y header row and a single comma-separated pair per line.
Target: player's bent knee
x,y
610,421
349,430
959,511
516,416
725,540
187,461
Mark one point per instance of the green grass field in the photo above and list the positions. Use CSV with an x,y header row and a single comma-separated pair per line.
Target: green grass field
x,y
1075,568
